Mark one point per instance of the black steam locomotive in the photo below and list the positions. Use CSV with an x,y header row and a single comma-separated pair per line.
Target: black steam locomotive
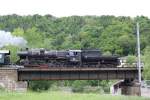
x,y
66,58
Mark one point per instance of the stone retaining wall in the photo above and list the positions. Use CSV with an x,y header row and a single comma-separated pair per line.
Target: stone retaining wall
x,y
8,80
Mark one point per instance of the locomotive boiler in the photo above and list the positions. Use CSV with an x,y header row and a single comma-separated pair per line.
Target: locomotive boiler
x,y
66,58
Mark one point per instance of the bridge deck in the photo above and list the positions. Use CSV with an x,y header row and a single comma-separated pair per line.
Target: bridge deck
x,y
76,69
77,73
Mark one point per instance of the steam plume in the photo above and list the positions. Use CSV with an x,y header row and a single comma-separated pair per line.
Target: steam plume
x,y
6,38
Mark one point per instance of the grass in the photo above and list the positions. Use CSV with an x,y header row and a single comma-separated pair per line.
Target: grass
x,y
64,96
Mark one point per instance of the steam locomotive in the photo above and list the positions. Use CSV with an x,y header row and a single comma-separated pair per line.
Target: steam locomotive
x,y
66,58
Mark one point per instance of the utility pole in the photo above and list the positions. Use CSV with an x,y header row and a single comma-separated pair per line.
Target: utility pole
x,y
138,50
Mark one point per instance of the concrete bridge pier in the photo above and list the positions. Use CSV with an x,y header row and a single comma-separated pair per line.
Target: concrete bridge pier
x,y
130,87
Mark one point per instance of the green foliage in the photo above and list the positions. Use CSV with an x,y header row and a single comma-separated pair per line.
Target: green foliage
x,y
93,82
107,53
86,86
34,38
147,63
78,85
18,32
39,86
2,89
131,59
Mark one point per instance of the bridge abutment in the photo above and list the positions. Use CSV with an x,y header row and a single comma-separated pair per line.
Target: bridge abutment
x,y
129,87
9,79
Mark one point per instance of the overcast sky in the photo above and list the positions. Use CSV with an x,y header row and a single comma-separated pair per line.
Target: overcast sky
x,y
61,8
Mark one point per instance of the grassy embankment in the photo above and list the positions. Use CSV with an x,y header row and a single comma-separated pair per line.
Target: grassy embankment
x,y
64,96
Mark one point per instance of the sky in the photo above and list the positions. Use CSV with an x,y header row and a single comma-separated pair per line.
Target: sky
x,y
61,8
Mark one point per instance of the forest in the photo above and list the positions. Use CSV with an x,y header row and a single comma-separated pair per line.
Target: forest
x,y
112,35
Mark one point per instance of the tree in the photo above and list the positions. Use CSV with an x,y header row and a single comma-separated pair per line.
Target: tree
x,y
127,43
18,32
35,39
131,59
146,63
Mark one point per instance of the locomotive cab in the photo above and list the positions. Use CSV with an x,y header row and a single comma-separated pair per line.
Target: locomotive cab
x,y
4,57
1,58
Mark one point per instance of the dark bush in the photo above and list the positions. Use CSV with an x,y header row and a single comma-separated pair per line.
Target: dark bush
x,y
39,85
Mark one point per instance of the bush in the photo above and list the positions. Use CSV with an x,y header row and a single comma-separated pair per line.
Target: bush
x,y
39,86
131,59
78,85
106,89
2,89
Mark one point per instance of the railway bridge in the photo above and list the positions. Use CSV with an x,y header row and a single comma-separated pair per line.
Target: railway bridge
x,y
129,74
25,74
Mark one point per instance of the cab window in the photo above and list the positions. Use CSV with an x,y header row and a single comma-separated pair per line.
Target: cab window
x,y
1,56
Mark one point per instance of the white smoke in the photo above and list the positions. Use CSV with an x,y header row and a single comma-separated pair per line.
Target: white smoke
x,y
6,38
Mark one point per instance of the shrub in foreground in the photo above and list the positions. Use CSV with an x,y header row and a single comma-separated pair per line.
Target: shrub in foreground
x,y
39,86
